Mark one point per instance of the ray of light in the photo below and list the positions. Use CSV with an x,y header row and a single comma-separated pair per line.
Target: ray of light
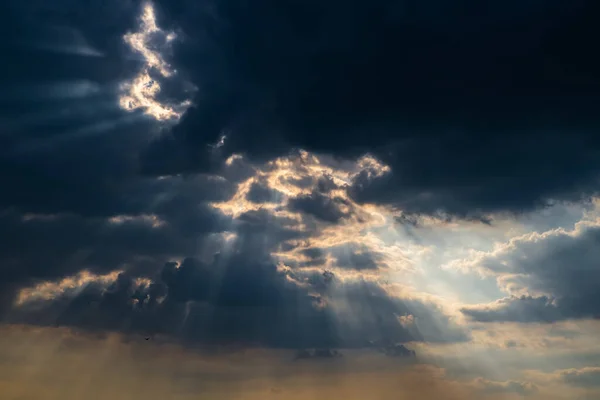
x,y
77,89
73,110
65,40
79,133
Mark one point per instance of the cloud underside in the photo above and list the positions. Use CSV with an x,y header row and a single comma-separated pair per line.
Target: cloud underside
x,y
257,219
471,119
551,276
207,261
143,89
266,312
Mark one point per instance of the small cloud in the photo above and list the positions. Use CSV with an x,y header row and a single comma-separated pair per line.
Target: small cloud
x,y
407,320
398,350
584,377
317,354
494,387
260,193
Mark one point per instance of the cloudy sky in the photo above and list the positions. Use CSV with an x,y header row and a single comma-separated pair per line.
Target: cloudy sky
x,y
235,199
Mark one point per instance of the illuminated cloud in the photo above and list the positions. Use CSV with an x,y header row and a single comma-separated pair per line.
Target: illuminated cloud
x,y
266,255
66,40
142,91
335,232
549,276
47,291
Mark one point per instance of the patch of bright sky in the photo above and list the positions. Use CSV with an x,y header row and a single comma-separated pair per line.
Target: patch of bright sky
x,y
445,242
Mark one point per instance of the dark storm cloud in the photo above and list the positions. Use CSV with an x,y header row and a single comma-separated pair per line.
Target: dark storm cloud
x,y
37,248
59,152
358,257
64,182
260,193
260,232
470,114
241,297
60,204
349,256
476,106
562,265
304,182
325,184
320,206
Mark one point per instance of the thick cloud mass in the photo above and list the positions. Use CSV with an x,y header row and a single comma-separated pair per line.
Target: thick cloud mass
x,y
558,270
319,206
234,291
476,106
241,300
257,218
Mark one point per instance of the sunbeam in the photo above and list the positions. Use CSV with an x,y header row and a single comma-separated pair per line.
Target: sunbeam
x,y
65,40
96,128
73,49
49,91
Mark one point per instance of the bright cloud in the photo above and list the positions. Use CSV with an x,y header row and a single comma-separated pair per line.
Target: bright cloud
x,y
142,91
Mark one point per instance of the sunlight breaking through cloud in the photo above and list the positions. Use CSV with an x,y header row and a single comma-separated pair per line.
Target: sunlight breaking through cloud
x,y
142,91
53,289
335,233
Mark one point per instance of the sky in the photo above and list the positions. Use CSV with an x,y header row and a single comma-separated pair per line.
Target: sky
x,y
233,199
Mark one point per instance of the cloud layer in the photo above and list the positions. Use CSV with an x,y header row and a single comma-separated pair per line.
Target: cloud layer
x,y
233,270
472,117
552,276
403,192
